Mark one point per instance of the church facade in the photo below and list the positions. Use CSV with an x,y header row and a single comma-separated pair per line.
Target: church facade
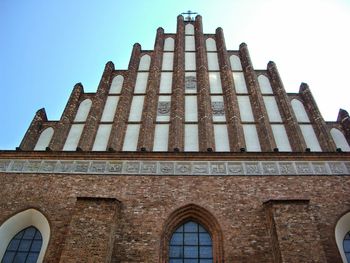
x,y
189,155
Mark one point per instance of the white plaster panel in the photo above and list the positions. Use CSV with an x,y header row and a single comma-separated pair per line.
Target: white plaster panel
x,y
169,44
191,108
221,138
163,117
239,81
235,63
136,108
251,138
191,74
117,84
265,85
213,62
189,29
245,108
44,139
281,138
110,108
340,140
190,43
341,229
145,62
310,137
83,110
166,81
131,137
210,44
168,60
20,221
221,118
215,82
102,137
272,109
190,61
161,135
300,111
141,82
191,138
73,137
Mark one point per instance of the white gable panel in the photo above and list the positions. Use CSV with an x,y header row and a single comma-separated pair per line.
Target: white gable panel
x,y
213,62
210,44
161,135
272,109
190,43
131,137
83,110
73,137
281,138
310,137
239,81
141,82
245,108
169,44
191,138
110,108
166,81
265,85
145,62
235,63
300,111
215,82
102,137
191,108
221,138
44,139
340,140
136,108
117,84
190,61
189,29
217,104
168,60
251,138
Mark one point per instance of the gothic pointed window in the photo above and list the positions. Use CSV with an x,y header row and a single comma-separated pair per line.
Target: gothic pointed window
x,y
190,243
24,247
346,246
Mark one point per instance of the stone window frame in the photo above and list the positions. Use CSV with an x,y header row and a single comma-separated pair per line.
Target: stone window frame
x,y
200,215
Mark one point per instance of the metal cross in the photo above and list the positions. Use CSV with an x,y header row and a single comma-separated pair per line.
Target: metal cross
x,y
189,14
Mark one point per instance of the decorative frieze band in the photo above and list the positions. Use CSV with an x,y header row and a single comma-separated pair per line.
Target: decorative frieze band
x,y
229,168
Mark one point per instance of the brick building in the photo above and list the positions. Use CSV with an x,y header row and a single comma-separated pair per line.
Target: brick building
x,y
189,155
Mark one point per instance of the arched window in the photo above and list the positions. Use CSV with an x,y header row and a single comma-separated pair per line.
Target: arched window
x,y
24,247
191,234
346,246
190,243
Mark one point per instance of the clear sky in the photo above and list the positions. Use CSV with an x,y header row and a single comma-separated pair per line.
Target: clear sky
x,y
48,46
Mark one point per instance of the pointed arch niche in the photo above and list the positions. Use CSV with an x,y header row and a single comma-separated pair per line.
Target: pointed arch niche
x,y
342,228
20,221
192,212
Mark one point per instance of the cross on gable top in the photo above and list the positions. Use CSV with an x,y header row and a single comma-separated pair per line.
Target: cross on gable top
x,y
188,15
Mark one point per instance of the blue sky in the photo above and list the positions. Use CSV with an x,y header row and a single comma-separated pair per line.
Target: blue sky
x,y
48,46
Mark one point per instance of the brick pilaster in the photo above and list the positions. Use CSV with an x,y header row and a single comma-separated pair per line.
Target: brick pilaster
x,y
205,120
63,126
90,234
33,132
116,138
293,231
233,118
267,141
326,142
149,114
295,136
92,122
176,131
344,119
